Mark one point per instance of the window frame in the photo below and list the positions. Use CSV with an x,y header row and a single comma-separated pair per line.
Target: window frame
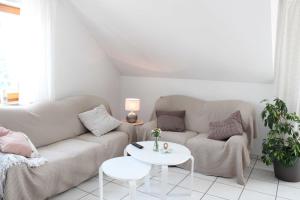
x,y
9,9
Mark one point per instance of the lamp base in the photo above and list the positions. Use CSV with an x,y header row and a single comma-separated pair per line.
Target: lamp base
x,y
131,117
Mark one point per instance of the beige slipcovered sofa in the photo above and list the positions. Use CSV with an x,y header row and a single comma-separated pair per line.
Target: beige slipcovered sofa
x,y
73,153
212,157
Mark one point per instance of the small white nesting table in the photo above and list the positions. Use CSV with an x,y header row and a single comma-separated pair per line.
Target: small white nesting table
x,y
125,169
179,154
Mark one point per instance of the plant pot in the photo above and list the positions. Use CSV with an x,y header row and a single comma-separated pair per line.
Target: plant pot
x,y
289,174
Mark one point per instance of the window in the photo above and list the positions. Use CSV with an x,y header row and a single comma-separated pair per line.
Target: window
x,y
25,51
9,62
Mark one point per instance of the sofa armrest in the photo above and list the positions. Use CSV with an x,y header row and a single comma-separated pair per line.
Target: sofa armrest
x,y
129,129
249,121
144,131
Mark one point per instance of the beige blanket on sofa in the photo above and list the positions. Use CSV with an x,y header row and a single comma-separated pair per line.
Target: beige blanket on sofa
x,y
70,163
9,160
212,157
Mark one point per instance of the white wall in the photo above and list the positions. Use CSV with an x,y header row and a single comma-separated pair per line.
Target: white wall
x,y
81,67
150,89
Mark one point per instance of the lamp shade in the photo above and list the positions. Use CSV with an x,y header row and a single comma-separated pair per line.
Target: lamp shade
x,y
132,104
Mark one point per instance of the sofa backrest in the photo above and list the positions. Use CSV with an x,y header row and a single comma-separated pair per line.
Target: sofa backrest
x,y
199,112
50,122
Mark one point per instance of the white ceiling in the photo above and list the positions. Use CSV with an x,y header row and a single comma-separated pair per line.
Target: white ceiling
x,y
225,40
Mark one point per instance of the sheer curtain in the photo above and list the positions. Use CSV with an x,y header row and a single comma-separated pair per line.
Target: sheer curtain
x,y
35,66
287,58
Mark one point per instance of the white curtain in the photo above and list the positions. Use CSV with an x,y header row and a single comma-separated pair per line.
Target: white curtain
x,y
35,66
287,58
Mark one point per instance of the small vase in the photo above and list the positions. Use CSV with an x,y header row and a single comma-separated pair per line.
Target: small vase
x,y
155,145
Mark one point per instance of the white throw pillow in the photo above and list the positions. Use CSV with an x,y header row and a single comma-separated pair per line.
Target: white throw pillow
x,y
99,121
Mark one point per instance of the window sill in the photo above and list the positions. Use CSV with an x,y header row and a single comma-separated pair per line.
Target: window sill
x,y
12,104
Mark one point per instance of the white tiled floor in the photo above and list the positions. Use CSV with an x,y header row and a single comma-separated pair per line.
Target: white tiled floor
x,y
261,185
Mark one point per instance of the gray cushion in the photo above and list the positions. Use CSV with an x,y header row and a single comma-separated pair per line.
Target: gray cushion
x,y
222,130
171,120
115,138
98,120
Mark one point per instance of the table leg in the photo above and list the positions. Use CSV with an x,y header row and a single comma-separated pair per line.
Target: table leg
x,y
164,182
132,193
101,183
192,175
147,183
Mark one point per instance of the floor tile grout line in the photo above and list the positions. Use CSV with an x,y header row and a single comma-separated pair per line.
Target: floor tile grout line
x,y
153,177
277,184
217,197
206,193
92,190
290,186
173,185
84,195
136,188
248,178
252,190
277,189
99,187
187,175
124,197
213,182
223,184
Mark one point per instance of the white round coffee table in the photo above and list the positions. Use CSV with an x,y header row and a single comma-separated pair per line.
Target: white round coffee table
x,y
125,169
179,154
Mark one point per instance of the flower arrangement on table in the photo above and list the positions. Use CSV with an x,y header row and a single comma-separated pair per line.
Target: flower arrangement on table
x,y
156,134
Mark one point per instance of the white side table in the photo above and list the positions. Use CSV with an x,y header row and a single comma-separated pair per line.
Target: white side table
x,y
125,169
179,155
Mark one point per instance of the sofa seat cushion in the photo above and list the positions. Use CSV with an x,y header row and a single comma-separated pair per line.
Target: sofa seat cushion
x,y
220,158
114,141
201,143
176,137
71,162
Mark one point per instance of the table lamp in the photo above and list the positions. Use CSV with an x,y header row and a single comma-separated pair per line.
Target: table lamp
x,y
132,105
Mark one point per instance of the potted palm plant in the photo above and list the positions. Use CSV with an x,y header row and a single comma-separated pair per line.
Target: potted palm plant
x,y
282,145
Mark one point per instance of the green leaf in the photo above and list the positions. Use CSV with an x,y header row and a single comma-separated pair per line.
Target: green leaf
x,y
282,142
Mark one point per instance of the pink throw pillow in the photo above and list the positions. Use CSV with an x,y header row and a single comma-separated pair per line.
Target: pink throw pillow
x,y
3,131
15,143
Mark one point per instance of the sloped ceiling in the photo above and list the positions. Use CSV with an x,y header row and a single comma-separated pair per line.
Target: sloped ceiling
x,y
224,40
